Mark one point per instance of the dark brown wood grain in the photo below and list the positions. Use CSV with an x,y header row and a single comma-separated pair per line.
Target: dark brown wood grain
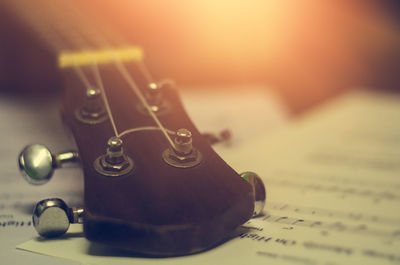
x,y
157,209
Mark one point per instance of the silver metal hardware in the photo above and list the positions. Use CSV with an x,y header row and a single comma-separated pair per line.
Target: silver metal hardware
x,y
154,94
183,141
52,217
114,163
258,191
154,97
93,111
37,163
183,155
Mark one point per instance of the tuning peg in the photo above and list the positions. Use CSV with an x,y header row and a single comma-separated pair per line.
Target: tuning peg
x,y
258,191
52,217
37,163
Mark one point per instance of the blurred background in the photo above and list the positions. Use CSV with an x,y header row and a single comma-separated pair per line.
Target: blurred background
x,y
307,51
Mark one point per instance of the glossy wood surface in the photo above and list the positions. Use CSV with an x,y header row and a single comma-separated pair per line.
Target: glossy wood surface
x,y
157,209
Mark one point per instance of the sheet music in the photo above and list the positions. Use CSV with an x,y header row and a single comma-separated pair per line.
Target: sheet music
x,y
26,121
332,183
259,109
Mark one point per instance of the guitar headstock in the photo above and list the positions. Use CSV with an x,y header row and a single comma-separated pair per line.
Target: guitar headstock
x,y
152,182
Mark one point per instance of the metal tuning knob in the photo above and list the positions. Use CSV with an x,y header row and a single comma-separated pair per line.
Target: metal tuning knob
x,y
114,163
154,95
52,217
182,154
92,111
258,191
155,99
37,163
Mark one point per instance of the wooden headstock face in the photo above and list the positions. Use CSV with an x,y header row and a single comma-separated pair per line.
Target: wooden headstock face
x,y
156,208
161,196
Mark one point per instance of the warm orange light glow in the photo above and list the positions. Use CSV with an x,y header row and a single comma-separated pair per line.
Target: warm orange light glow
x,y
306,48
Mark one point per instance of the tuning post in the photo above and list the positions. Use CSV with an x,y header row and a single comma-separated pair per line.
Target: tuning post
x,y
154,94
155,99
258,190
114,162
37,163
93,110
182,154
52,217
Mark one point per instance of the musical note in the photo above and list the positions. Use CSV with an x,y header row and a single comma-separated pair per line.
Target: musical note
x,y
297,221
319,212
327,228
361,229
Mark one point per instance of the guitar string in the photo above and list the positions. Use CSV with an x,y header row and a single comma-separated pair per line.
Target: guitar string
x,y
97,75
100,84
146,73
129,79
82,76
78,40
86,82
144,128
79,37
131,82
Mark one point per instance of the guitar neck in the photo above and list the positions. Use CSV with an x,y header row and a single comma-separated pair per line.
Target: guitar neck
x,y
64,25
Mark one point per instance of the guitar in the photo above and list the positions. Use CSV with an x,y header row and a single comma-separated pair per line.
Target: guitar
x,y
152,183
